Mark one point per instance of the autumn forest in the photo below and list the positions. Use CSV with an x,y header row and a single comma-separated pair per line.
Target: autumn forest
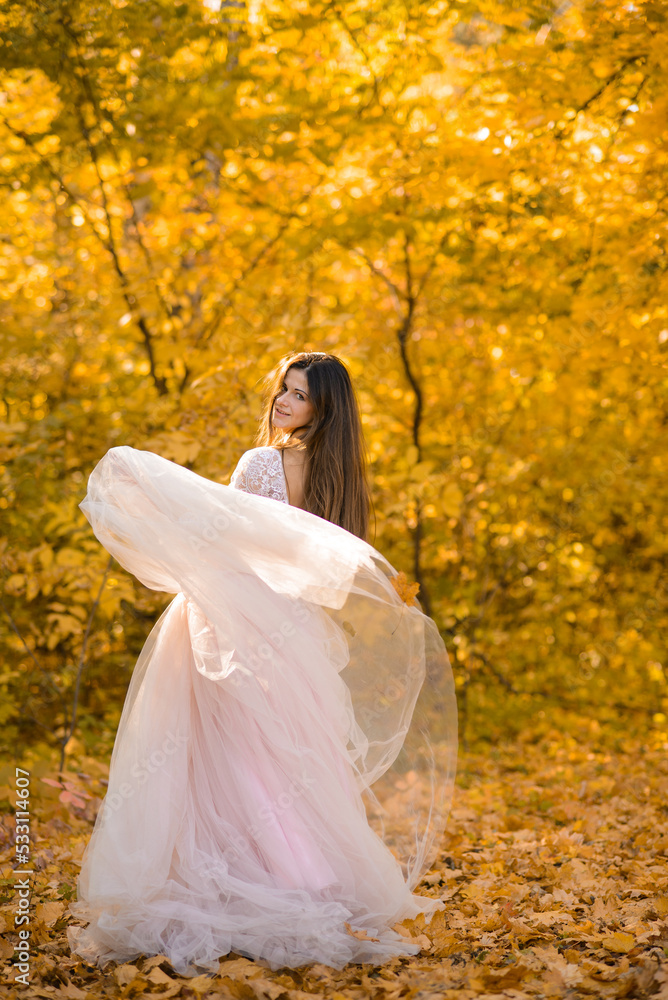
x,y
467,202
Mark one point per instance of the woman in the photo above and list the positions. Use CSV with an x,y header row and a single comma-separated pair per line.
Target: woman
x,y
285,679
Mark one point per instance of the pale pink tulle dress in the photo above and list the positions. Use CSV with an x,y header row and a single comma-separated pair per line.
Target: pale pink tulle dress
x,y
284,680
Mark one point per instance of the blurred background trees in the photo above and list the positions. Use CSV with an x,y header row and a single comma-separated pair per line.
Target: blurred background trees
x,y
465,201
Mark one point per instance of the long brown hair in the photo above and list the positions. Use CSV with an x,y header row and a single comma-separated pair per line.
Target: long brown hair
x,y
335,486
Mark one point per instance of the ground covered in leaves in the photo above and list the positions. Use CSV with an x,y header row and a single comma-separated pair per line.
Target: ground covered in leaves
x,y
554,873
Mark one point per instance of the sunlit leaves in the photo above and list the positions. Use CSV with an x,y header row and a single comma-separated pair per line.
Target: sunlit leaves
x,y
185,199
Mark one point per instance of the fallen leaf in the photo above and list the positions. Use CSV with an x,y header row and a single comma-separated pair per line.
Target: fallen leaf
x,y
6,948
239,967
124,974
199,984
48,913
619,942
154,960
156,975
421,940
360,935
510,976
266,990
71,992
69,798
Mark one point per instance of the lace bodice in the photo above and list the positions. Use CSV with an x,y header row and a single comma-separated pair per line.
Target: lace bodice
x,y
260,470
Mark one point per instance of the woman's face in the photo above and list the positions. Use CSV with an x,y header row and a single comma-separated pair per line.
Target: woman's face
x,y
292,406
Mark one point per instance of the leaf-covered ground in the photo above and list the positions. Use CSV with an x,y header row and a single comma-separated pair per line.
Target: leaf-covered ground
x,y
554,872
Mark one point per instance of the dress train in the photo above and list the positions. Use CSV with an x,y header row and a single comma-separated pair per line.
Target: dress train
x,y
285,756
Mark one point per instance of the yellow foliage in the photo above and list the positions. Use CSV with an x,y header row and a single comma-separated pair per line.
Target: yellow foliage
x,y
466,209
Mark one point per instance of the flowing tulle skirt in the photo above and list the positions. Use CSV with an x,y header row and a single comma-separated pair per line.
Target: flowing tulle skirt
x,y
285,757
